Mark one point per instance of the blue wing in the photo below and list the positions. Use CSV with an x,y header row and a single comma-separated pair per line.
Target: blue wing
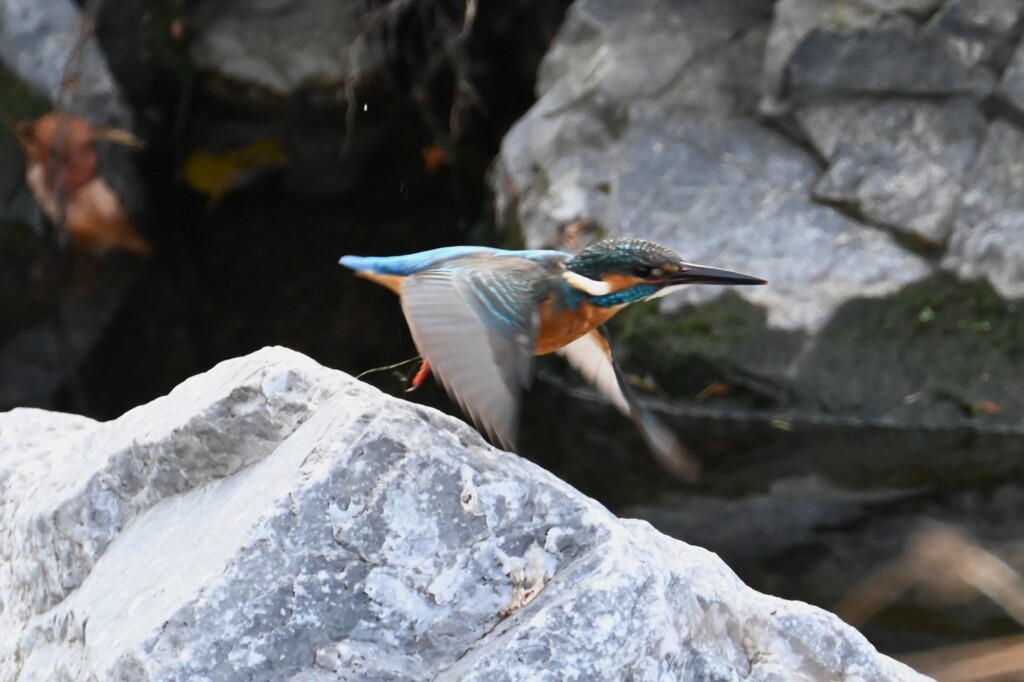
x,y
476,321
429,260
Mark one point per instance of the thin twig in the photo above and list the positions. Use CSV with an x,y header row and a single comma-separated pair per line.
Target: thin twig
x,y
69,83
73,65
403,363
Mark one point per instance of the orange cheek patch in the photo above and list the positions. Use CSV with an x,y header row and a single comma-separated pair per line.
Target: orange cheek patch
x,y
620,282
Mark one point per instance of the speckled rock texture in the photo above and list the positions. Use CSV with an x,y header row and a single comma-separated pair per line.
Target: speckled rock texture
x,y
272,519
38,40
853,153
284,46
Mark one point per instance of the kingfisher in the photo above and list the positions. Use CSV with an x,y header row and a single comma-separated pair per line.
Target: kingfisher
x,y
478,315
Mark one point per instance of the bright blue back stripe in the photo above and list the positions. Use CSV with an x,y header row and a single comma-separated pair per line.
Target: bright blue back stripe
x,y
425,260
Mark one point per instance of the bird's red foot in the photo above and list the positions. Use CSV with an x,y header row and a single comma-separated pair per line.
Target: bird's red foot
x,y
419,377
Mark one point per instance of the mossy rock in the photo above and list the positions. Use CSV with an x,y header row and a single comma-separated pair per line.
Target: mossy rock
x,y
726,343
941,352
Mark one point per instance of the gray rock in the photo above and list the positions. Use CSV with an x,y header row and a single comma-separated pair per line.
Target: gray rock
x,y
64,517
794,19
741,191
978,32
610,141
940,352
605,57
727,193
283,46
889,104
701,55
1011,87
988,237
818,47
273,519
899,162
893,99
912,7
890,60
37,42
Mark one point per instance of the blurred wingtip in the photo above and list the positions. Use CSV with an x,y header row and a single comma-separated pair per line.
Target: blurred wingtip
x,y
670,453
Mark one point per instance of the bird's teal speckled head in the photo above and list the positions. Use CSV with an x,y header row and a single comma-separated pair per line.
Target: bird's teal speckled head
x,y
619,271
633,257
629,257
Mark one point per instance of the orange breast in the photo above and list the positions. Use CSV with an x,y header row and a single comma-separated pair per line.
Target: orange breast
x,y
560,328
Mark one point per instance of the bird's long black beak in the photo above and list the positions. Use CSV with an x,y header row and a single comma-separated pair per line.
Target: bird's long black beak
x,y
702,274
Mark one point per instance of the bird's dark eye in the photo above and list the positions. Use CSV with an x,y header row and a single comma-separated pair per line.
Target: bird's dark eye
x,y
646,271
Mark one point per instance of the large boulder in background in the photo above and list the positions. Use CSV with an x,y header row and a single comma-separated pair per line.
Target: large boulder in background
x,y
285,47
840,150
273,519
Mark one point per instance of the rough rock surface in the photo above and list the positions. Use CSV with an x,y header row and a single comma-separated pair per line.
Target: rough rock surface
x,y
272,519
612,141
882,163
1012,85
987,238
283,46
37,37
901,162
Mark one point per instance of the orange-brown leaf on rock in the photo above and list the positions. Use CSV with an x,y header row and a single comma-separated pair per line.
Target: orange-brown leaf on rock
x,y
61,171
98,223
63,146
988,407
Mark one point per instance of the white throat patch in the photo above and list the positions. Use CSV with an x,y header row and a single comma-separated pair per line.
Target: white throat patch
x,y
664,292
585,284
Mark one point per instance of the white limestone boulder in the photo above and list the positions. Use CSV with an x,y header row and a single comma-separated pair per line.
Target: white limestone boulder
x,y
273,519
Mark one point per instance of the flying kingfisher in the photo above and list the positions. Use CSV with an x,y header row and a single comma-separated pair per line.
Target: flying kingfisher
x,y
478,315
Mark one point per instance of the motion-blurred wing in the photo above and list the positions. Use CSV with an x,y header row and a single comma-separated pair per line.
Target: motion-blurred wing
x,y
476,321
591,355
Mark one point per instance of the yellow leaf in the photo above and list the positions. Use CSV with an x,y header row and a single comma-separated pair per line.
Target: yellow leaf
x,y
216,173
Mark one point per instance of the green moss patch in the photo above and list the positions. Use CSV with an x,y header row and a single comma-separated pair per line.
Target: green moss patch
x,y
725,344
941,349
